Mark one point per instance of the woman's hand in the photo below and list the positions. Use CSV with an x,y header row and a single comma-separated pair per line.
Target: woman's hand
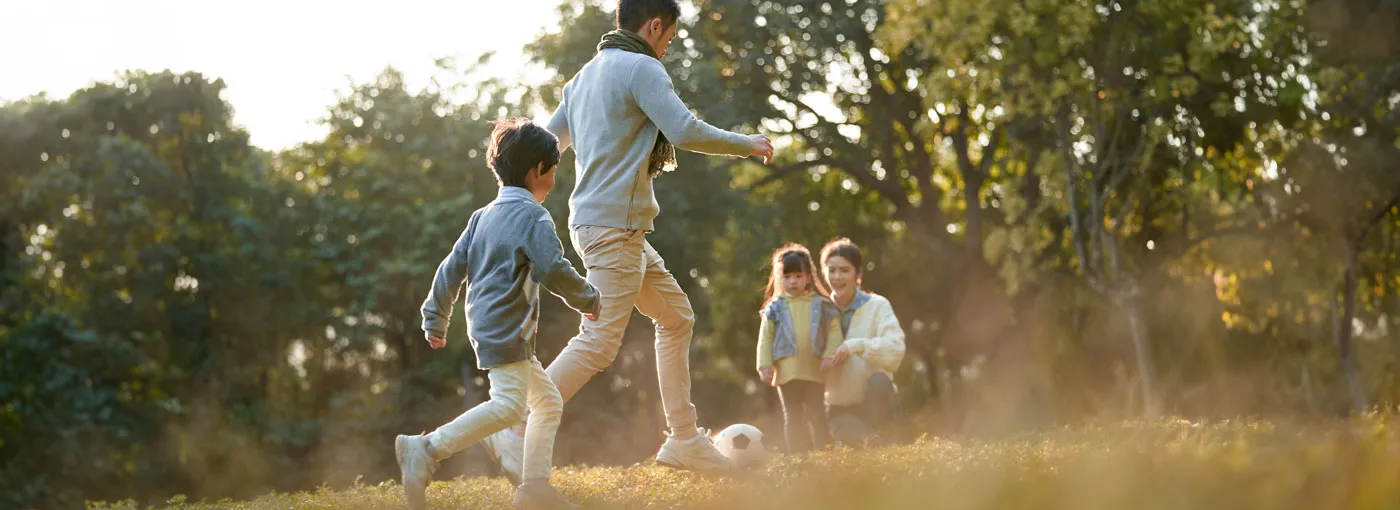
x,y
841,355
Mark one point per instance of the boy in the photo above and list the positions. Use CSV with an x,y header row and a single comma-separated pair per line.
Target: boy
x,y
508,249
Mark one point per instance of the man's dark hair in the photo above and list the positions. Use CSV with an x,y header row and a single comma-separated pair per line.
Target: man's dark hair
x,y
518,146
632,14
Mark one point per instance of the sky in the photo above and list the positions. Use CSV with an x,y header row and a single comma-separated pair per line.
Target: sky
x,y
282,61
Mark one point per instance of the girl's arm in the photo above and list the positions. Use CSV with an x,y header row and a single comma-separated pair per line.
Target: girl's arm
x,y
766,332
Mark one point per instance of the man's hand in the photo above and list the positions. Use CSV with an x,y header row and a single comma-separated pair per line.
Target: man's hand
x,y
435,342
841,355
761,147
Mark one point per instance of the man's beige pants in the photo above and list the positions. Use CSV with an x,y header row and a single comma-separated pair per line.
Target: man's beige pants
x,y
628,272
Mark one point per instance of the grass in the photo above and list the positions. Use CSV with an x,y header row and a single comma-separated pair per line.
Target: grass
x,y
1170,464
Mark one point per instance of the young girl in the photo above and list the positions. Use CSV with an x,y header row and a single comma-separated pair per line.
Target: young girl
x,y
799,335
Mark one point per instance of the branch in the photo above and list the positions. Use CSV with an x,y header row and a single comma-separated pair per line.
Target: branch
x,y
1170,253
1376,218
782,172
984,166
821,120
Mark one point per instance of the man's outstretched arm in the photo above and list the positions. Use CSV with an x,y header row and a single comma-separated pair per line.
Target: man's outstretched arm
x,y
656,95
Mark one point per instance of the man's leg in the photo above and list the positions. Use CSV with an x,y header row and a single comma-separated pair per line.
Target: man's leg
x,y
662,299
615,263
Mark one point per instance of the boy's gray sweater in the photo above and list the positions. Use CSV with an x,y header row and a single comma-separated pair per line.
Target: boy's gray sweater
x,y
611,112
507,250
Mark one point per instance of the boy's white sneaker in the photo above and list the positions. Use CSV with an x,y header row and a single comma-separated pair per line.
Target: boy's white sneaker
x,y
695,454
507,450
416,464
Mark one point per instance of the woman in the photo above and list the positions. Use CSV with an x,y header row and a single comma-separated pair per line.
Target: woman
x,y
861,396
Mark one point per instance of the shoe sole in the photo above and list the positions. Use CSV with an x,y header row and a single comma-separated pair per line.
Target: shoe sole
x,y
496,461
415,495
681,467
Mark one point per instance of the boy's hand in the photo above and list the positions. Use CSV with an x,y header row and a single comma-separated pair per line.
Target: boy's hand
x,y
435,342
828,364
593,316
766,375
761,147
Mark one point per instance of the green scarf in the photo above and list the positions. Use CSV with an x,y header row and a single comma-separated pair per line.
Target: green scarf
x,y
663,155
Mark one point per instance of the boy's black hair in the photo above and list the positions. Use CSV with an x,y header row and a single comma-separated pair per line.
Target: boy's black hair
x,y
518,146
632,14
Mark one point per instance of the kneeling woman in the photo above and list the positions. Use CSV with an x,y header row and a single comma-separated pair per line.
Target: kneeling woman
x,y
861,397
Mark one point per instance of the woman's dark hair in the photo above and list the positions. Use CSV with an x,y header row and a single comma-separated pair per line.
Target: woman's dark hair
x,y
632,14
844,248
518,146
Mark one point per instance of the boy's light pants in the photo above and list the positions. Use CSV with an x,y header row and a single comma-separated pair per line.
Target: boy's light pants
x,y
514,388
628,272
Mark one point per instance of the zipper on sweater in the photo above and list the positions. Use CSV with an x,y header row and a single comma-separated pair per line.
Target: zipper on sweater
x,y
632,199
636,183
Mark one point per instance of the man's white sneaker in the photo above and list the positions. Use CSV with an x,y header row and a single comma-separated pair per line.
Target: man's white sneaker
x,y
507,450
416,464
695,454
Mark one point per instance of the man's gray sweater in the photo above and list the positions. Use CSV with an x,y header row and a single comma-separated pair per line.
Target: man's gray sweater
x,y
611,113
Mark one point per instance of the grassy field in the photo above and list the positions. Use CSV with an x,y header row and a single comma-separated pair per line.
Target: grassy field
x,y
1172,464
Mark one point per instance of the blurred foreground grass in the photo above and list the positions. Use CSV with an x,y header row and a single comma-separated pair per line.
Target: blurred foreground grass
x,y
1170,464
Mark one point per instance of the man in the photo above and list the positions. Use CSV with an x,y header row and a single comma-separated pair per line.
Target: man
x,y
623,118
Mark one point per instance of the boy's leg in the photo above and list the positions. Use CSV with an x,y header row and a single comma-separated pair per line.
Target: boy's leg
x,y
509,385
418,456
540,428
542,424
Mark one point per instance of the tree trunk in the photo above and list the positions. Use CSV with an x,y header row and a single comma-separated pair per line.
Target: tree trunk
x,y
1142,347
1341,332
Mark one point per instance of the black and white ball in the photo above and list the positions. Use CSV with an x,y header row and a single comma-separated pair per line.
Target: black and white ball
x,y
742,444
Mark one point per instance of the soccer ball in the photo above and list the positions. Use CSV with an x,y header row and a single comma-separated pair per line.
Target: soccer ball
x,y
742,444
